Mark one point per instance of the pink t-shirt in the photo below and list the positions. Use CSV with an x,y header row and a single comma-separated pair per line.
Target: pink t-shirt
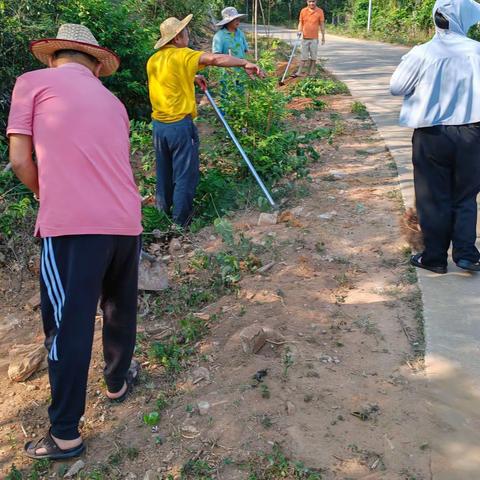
x,y
80,133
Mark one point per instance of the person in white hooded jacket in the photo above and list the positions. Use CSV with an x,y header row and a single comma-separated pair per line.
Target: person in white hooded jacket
x,y
440,81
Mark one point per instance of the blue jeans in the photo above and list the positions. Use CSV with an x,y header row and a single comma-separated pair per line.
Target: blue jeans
x,y
176,149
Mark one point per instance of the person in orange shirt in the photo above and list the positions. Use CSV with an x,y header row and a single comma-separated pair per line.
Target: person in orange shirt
x,y
312,20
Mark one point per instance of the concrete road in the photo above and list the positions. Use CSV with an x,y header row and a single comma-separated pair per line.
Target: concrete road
x,y
452,301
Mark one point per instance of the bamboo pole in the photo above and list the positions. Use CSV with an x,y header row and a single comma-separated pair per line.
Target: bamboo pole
x,y
265,26
255,33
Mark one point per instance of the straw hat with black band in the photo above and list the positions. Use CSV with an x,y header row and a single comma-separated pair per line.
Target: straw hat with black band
x,y
72,36
170,28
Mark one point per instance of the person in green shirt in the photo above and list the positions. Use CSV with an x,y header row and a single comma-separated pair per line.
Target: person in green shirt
x,y
230,40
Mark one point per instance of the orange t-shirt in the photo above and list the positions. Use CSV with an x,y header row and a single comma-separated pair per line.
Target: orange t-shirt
x,y
310,21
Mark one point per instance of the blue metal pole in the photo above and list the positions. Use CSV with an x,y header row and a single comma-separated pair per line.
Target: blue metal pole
x,y
240,149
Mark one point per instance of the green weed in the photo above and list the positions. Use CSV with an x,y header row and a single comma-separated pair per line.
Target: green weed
x,y
287,361
359,110
169,355
151,419
316,87
161,402
14,474
39,470
197,470
343,281
265,391
276,465
266,421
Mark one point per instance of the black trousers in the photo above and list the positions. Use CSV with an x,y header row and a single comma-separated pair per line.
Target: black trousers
x,y
76,271
446,162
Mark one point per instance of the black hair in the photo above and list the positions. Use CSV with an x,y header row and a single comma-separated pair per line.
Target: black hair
x,y
441,21
74,53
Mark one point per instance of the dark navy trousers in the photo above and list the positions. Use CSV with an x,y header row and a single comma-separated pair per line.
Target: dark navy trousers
x,y
77,271
177,154
446,161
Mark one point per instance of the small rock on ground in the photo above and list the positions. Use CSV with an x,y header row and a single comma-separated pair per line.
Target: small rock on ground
x,y
152,276
200,373
253,338
34,301
169,457
290,408
25,360
203,408
268,219
175,246
327,215
150,475
74,469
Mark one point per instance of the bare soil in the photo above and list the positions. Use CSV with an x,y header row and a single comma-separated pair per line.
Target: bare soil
x,y
344,390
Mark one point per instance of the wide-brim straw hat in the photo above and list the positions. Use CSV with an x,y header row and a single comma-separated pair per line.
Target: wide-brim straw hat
x,y
170,28
72,36
229,14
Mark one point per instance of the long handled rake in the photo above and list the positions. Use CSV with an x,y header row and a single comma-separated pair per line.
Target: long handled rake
x,y
240,149
282,81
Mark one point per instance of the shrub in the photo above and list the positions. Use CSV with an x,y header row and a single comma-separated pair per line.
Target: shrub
x,y
317,87
128,27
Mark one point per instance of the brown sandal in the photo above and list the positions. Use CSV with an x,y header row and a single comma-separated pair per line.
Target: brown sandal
x,y
131,379
52,450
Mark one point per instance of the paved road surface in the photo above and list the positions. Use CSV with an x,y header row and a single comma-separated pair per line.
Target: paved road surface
x,y
452,301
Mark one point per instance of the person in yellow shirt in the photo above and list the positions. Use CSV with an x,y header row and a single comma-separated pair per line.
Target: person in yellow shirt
x,y
311,22
172,73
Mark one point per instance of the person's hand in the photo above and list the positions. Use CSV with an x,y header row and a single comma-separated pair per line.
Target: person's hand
x,y
253,70
299,34
201,82
323,40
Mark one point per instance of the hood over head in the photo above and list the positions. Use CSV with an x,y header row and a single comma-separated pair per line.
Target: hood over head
x,y
462,14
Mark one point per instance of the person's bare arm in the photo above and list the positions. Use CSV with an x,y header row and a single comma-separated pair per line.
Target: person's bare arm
x,y
225,61
300,27
322,29
21,159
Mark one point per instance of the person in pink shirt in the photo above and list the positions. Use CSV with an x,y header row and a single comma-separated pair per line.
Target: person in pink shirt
x,y
89,221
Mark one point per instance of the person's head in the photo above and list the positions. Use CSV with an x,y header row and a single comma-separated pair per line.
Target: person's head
x,y
76,44
233,25
174,32
458,15
311,4
182,39
67,55
441,22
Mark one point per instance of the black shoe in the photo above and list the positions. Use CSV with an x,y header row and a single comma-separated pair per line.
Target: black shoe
x,y
416,261
468,265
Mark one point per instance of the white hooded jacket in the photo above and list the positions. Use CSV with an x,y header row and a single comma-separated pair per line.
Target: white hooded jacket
x,y
441,78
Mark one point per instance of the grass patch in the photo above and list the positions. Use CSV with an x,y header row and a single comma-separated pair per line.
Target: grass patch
x,y
359,110
318,87
277,465
38,471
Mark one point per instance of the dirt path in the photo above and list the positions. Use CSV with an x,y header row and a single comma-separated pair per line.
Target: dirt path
x,y
343,393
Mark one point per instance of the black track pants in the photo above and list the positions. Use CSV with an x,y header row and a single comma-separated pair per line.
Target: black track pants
x,y
446,162
76,271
